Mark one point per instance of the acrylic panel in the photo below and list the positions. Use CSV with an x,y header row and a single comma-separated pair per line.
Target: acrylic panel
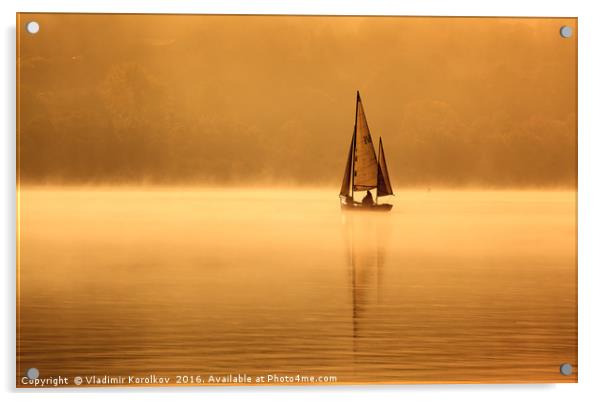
x,y
295,200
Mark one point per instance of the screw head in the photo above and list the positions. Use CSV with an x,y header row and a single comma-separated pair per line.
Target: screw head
x,y
566,31
33,373
566,369
32,27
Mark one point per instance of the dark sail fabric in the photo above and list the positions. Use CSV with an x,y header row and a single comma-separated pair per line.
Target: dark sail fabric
x,y
365,166
346,184
384,185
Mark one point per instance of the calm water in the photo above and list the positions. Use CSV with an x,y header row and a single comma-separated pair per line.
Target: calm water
x,y
462,286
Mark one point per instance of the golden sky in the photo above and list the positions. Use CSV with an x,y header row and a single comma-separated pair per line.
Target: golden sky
x,y
271,99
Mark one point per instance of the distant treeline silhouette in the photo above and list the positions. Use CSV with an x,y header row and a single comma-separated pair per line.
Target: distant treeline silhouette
x,y
119,132
271,100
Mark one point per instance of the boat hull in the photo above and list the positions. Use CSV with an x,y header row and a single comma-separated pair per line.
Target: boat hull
x,y
385,207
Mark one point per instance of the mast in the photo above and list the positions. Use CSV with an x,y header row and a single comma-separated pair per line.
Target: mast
x,y
380,144
352,172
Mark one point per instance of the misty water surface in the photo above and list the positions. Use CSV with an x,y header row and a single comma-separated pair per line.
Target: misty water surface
x,y
451,286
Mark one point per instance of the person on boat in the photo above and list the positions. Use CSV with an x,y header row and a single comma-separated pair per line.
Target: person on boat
x,y
368,200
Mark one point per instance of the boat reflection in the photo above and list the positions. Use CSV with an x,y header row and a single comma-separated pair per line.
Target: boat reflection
x,y
366,237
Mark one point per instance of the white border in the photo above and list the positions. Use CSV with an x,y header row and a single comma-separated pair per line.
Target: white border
x,y
551,8
590,193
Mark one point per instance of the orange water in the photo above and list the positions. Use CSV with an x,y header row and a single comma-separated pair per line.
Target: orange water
x,y
451,286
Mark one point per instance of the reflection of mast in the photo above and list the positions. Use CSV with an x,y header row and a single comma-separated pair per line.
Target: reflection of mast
x,y
353,287
380,262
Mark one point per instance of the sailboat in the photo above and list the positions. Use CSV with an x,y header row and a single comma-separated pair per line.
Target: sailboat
x,y
364,169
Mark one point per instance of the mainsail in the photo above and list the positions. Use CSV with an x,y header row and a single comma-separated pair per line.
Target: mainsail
x,y
384,184
365,163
